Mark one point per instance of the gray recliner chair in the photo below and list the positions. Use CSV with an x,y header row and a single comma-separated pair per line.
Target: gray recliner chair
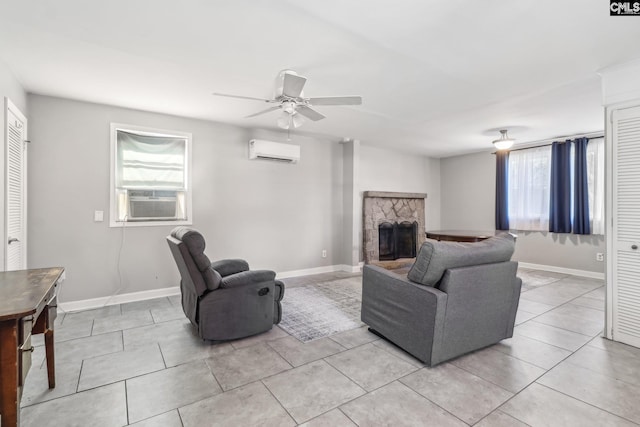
x,y
224,300
457,298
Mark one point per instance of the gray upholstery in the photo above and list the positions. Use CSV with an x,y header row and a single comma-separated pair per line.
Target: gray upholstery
x,y
435,257
194,243
230,266
224,300
244,277
472,307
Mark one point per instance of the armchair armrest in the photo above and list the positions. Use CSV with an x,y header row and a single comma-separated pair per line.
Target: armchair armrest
x,y
376,277
406,313
227,267
247,278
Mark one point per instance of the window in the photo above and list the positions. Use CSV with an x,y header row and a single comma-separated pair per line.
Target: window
x,y
529,181
595,172
150,176
529,187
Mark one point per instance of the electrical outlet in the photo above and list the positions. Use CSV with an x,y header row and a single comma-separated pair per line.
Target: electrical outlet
x,y
324,253
599,256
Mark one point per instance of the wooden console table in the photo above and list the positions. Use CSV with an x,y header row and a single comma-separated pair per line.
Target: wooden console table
x,y
460,235
27,306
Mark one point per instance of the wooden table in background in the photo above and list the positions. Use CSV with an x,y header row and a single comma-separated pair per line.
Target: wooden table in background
x,y
27,306
460,235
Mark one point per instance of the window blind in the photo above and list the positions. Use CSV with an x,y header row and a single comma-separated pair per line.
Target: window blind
x,y
150,161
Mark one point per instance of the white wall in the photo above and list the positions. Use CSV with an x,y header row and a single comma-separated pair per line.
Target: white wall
x,y
387,170
276,216
468,203
468,192
12,89
351,204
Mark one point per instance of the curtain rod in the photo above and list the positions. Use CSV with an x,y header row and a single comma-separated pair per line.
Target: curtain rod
x,y
561,139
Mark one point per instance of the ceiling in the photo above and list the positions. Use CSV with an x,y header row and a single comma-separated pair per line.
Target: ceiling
x,y
437,77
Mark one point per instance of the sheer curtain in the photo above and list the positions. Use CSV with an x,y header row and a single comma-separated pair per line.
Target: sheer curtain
x,y
529,182
595,172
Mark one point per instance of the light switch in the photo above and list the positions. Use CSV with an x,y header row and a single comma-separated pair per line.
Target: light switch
x,y
98,216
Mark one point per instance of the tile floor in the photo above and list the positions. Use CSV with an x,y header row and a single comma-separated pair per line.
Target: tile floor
x,y
140,364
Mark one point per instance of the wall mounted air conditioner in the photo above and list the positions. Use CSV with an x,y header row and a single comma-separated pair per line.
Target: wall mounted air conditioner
x,y
152,205
269,150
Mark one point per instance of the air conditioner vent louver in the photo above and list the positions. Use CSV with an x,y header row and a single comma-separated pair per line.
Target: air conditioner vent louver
x,y
275,159
152,205
269,150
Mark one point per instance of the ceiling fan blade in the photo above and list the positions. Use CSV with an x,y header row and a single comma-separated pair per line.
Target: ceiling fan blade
x,y
243,97
309,113
292,85
268,110
336,100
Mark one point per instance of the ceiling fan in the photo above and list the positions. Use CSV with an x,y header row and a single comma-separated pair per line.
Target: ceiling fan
x,y
290,99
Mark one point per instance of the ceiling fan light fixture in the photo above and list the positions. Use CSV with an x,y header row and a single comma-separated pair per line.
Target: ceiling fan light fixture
x,y
290,100
289,107
284,121
504,142
289,120
297,120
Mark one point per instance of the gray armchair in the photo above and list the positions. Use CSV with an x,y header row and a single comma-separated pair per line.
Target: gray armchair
x,y
457,298
224,300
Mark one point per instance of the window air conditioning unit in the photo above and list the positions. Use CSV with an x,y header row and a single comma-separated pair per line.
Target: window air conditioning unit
x,y
269,150
152,205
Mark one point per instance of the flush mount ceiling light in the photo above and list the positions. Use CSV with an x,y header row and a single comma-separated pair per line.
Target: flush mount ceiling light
x,y
504,142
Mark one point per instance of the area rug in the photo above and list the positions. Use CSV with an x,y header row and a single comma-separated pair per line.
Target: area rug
x,y
315,311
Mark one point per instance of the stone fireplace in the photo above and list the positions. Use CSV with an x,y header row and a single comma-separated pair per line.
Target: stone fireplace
x,y
393,225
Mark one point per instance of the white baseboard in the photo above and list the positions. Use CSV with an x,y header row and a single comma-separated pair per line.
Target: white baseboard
x,y
118,299
165,292
352,268
318,270
553,268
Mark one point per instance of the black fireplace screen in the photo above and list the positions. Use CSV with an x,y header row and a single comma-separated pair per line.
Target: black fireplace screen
x,y
397,240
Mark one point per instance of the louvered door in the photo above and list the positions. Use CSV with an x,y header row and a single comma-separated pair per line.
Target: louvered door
x,y
626,225
15,215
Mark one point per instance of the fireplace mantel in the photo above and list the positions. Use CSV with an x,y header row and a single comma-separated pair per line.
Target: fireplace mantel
x,y
394,195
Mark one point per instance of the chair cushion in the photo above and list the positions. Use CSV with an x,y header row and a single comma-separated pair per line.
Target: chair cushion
x,y
212,278
194,241
435,257
230,266
247,277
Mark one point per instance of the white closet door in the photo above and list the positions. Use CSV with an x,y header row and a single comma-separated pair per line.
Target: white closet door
x,y
16,155
626,225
